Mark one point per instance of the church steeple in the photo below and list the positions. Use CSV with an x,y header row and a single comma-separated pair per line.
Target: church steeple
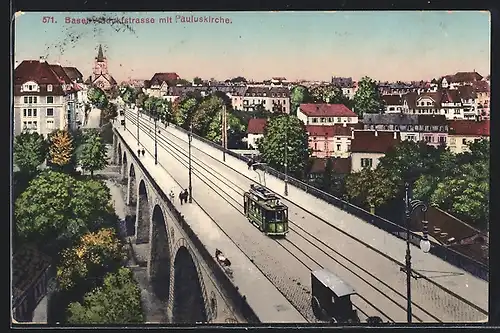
x,y
100,55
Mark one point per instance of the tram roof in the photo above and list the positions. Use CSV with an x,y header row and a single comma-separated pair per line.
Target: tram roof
x,y
333,282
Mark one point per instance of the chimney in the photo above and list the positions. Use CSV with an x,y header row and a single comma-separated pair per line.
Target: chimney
x,y
376,133
42,59
352,133
395,135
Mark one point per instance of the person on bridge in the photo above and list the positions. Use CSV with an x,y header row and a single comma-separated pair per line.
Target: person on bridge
x,y
172,195
186,195
181,197
138,153
250,163
143,152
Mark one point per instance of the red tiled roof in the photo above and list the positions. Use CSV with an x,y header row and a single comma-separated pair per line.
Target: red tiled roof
x,y
40,72
61,74
466,77
159,78
467,92
329,131
469,127
74,74
392,100
449,96
256,126
326,110
368,142
431,119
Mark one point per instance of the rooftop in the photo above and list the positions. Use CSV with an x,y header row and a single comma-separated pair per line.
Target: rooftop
x,y
256,125
326,110
374,141
469,127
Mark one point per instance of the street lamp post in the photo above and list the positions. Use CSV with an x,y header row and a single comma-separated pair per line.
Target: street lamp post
x,y
190,170
156,141
410,207
286,157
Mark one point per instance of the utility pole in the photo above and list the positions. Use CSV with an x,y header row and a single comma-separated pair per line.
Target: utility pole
x,y
286,157
137,126
190,138
156,140
224,132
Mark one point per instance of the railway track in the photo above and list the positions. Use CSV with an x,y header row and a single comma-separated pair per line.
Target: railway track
x,y
306,248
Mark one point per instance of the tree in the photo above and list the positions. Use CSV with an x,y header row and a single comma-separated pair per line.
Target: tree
x,y
84,265
55,209
329,94
183,110
205,113
61,148
30,151
109,112
239,79
285,132
197,81
97,97
367,98
298,95
93,156
118,301
370,188
327,176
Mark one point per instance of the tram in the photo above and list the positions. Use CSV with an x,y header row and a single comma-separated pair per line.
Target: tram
x,y
264,209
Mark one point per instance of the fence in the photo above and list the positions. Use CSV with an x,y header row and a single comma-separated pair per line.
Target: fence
x,y
449,255
220,275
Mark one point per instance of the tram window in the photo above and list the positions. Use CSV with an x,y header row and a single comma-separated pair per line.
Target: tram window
x,y
280,216
270,215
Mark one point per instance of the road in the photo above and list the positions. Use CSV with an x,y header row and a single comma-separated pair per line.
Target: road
x,y
94,119
313,243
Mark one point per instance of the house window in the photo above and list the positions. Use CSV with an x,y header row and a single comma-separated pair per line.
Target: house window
x,y
410,137
464,141
348,147
30,87
314,120
25,99
50,99
330,119
349,119
428,138
429,103
49,87
315,146
366,162
442,139
50,112
338,147
34,112
453,141
457,111
50,124
322,120
339,119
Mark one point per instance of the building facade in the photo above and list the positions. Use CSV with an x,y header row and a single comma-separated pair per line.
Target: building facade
x,y
326,114
255,131
463,132
42,98
272,99
367,147
329,141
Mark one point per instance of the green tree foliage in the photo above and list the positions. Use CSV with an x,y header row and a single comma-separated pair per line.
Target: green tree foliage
x,y
234,129
97,97
109,112
118,301
55,209
370,188
93,154
183,110
239,79
84,265
329,94
298,95
197,81
61,148
30,151
367,98
278,132
208,111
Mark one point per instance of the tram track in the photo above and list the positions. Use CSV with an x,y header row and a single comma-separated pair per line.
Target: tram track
x,y
450,306
288,245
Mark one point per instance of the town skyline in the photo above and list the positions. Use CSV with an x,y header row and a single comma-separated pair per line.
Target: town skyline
x,y
386,46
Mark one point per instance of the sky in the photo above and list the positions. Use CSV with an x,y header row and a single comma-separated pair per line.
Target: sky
x,y
396,45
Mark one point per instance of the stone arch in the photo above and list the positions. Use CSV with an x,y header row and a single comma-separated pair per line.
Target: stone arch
x,y
188,298
119,153
160,262
143,215
131,186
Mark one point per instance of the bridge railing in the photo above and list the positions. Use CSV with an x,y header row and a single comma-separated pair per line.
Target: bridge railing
x,y
447,254
220,275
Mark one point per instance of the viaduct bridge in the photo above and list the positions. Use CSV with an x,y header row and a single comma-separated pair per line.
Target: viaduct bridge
x,y
270,281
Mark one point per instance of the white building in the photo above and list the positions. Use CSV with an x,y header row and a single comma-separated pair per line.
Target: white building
x,y
367,147
326,114
463,132
44,98
272,99
255,131
393,103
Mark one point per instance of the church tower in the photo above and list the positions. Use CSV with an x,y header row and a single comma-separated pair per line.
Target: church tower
x,y
100,64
